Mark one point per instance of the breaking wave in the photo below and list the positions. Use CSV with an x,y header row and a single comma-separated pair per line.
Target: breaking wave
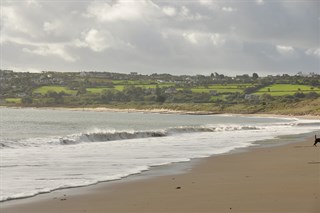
x,y
102,136
114,135
110,136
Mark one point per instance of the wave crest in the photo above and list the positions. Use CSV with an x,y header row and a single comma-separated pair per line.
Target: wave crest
x,y
110,136
103,136
113,135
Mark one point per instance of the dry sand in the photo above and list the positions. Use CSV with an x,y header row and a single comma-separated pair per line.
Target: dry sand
x,y
274,179
184,112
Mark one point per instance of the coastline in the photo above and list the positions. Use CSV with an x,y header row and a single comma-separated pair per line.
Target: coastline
x,y
165,111
268,179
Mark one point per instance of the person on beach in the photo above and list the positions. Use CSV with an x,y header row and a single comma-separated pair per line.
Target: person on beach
x,y
316,140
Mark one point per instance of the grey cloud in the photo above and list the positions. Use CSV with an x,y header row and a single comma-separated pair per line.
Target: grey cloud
x,y
194,37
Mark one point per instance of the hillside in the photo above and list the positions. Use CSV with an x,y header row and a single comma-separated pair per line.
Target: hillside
x,y
215,93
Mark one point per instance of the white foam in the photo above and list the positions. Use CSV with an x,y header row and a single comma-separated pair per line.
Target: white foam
x,y
27,171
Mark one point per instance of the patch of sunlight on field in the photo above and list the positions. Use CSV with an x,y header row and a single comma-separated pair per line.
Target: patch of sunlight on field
x,y
287,89
13,100
45,89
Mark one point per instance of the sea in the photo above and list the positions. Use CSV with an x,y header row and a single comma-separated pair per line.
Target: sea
x,y
42,150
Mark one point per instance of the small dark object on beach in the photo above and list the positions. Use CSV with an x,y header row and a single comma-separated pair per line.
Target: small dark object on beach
x,y
178,187
63,199
316,140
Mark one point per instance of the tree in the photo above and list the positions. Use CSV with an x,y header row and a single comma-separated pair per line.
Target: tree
x,y
57,97
255,76
82,90
160,98
27,100
299,95
106,96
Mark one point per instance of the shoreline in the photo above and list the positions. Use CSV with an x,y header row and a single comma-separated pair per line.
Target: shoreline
x,y
164,111
129,194
164,170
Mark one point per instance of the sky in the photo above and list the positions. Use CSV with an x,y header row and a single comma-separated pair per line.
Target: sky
x,y
178,37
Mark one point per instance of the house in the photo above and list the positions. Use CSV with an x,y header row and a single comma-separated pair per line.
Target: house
x,y
251,97
83,74
170,90
213,92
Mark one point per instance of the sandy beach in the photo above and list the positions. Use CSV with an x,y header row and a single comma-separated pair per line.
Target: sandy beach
x,y
275,179
169,111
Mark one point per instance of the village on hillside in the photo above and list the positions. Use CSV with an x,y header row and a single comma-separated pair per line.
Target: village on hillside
x,y
89,88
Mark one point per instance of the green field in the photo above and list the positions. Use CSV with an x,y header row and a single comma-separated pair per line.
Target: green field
x,y
131,82
287,89
153,86
13,100
97,90
120,87
220,88
230,86
274,90
45,89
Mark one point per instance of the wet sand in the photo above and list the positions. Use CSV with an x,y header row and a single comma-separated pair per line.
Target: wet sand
x,y
274,179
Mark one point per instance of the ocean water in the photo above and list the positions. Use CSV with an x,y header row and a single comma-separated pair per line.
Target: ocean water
x,y
45,150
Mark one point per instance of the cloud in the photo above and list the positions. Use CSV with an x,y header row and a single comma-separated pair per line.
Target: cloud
x,y
313,52
97,41
33,3
285,50
169,11
204,38
185,14
191,37
206,2
217,39
51,49
50,27
260,2
229,9
14,22
150,36
121,10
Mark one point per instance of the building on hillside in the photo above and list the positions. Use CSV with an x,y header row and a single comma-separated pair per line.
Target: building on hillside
x,y
251,97
170,90
213,92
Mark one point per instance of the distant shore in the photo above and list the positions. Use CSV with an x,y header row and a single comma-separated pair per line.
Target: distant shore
x,y
183,112
274,179
168,111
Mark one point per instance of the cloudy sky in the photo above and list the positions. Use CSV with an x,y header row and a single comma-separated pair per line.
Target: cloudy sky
x,y
163,36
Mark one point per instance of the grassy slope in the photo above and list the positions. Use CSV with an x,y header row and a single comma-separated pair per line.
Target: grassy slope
x,y
298,108
219,88
120,85
287,89
305,107
13,100
45,89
